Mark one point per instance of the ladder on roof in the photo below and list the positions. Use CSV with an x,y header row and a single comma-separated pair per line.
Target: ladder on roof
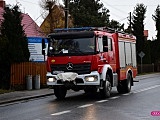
x,y
80,29
110,30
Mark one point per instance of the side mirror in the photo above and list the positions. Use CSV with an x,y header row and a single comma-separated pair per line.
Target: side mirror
x,y
105,43
43,46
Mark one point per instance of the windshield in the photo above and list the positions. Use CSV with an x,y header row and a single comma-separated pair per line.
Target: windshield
x,y
74,46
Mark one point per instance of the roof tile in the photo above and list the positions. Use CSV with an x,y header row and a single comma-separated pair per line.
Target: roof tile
x,y
29,25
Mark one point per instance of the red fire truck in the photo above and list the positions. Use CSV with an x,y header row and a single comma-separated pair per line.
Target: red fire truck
x,y
90,59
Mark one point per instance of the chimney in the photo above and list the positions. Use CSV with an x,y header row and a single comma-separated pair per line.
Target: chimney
x,y
2,4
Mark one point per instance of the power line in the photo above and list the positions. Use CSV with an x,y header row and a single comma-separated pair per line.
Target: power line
x,y
114,7
122,19
119,10
35,20
118,16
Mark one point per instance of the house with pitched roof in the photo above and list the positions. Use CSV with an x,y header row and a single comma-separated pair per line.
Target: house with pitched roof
x,y
33,33
55,19
29,25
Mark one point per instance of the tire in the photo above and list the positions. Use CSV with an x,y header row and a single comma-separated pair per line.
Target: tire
x,y
60,92
106,91
125,85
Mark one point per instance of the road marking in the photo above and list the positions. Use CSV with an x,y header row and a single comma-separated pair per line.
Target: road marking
x,y
101,101
127,94
60,113
145,89
112,98
84,106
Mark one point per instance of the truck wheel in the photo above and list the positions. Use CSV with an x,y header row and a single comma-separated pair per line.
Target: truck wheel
x,y
60,92
125,85
106,91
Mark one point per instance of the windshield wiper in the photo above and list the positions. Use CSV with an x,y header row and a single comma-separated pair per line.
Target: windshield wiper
x,y
79,51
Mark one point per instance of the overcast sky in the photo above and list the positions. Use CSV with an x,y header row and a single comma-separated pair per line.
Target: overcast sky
x,y
119,10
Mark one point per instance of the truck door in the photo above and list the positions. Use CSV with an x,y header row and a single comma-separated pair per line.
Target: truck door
x,y
105,48
100,48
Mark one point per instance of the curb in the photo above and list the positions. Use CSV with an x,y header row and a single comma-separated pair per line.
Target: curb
x,y
25,98
147,76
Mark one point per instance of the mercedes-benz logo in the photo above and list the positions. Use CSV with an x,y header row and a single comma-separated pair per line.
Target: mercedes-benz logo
x,y
69,66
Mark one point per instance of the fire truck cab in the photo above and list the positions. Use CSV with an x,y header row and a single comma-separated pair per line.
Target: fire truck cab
x,y
90,59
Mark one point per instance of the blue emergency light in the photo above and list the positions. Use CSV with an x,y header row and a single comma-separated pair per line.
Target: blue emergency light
x,y
73,29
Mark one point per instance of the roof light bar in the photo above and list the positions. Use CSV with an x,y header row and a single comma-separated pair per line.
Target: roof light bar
x,y
73,29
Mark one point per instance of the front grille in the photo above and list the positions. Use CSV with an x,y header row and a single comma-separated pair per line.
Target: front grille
x,y
78,68
79,80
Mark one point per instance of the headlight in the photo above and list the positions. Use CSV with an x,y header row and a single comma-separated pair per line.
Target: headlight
x,y
91,78
51,79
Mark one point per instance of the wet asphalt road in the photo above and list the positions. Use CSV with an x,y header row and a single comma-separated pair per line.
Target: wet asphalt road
x,y
137,105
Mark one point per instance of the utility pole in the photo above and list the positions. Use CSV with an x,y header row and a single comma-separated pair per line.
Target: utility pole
x,y
50,5
66,13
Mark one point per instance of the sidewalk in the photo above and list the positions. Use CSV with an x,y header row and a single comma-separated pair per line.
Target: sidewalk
x,y
24,95
30,94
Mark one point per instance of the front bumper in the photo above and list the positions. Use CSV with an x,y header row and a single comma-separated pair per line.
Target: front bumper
x,y
81,80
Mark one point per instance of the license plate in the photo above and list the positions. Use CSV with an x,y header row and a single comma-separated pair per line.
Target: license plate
x,y
57,72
